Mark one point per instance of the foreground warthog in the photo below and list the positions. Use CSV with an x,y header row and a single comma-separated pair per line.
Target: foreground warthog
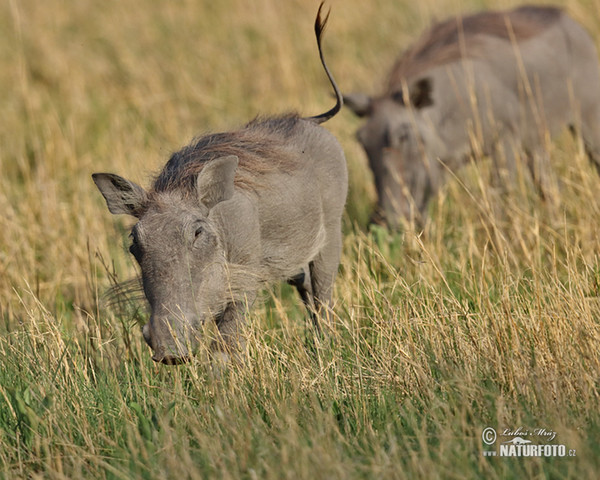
x,y
228,212
496,83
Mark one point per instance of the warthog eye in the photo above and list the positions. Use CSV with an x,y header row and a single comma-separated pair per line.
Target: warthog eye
x,y
202,233
134,248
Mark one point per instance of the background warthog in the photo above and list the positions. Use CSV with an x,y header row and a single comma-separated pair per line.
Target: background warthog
x,y
498,80
232,210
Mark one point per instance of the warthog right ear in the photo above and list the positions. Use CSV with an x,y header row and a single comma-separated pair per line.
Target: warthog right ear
x,y
215,181
122,196
359,103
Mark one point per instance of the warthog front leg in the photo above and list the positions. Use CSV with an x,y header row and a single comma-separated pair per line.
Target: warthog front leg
x,y
590,133
504,168
315,282
323,270
231,342
303,284
540,168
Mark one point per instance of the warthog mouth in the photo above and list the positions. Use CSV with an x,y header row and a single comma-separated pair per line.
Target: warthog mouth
x,y
171,359
174,356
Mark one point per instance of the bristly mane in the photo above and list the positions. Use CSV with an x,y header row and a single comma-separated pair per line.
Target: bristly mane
x,y
260,147
462,37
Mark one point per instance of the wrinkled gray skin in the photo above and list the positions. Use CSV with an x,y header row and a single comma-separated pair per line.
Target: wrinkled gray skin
x,y
434,117
204,251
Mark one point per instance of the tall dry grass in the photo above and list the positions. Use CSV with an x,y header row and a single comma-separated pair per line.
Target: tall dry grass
x,y
484,319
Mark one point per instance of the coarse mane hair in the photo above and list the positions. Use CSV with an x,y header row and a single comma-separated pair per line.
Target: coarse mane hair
x,y
260,147
463,36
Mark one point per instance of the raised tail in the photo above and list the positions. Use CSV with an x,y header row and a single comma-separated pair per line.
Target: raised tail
x,y
320,24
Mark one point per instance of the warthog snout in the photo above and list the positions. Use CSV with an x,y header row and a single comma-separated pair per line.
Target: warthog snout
x,y
170,349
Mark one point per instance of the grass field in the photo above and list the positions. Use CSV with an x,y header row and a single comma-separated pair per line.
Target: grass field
x,y
481,320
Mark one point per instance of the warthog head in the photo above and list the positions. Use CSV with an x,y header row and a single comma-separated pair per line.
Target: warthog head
x,y
402,146
179,247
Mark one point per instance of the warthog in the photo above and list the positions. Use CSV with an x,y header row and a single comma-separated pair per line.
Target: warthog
x,y
228,212
493,83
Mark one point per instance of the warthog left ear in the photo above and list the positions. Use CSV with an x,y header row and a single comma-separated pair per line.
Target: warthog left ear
x,y
122,196
420,93
215,182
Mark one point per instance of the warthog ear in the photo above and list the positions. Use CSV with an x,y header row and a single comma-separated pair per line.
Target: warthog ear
x,y
420,93
122,196
215,182
359,103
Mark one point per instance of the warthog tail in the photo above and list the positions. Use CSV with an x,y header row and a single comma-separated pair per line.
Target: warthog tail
x,y
320,24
